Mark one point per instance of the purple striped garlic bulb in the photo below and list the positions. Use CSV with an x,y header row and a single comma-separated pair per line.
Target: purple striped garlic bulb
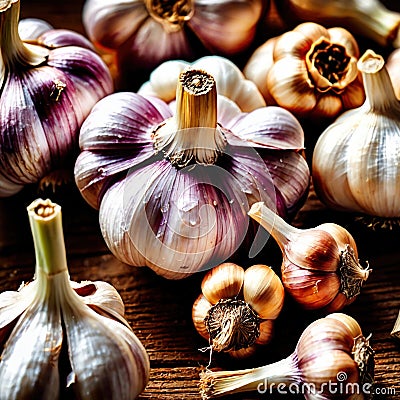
x,y
174,186
50,80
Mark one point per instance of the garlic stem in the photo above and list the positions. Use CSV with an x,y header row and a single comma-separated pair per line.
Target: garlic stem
x,y
193,133
13,50
380,95
196,100
280,230
262,379
396,328
46,224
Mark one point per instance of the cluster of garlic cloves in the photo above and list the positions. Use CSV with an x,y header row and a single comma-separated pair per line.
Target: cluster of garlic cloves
x,y
50,314
310,71
320,266
237,307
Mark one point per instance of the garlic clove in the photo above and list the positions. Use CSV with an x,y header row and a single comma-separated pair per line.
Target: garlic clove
x,y
266,332
271,127
13,304
243,353
342,236
32,28
350,323
200,310
263,290
223,282
163,80
29,360
258,66
316,250
171,239
336,335
329,367
289,84
309,288
102,338
230,81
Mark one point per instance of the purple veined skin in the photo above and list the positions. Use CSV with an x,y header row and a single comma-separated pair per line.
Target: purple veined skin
x,y
51,78
182,217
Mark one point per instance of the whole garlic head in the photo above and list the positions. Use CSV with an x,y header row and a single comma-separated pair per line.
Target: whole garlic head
x,y
51,317
356,162
310,70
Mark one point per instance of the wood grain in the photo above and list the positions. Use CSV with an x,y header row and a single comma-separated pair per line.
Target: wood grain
x,y
160,310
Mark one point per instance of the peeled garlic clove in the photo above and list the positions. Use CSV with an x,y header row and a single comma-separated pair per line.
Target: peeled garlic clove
x,y
263,290
222,282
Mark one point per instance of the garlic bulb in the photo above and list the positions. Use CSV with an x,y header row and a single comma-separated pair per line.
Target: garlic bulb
x,y
356,159
144,33
320,267
174,190
230,81
310,70
368,17
104,357
236,309
332,360
50,80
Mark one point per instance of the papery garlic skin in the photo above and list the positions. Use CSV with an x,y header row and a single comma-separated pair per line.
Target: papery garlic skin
x,y
230,81
47,314
310,71
51,78
145,33
356,159
236,310
369,17
173,189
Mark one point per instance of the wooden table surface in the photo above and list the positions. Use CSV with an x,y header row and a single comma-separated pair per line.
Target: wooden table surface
x,y
160,310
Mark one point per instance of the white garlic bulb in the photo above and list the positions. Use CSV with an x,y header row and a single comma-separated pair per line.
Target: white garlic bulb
x,y
57,335
356,160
